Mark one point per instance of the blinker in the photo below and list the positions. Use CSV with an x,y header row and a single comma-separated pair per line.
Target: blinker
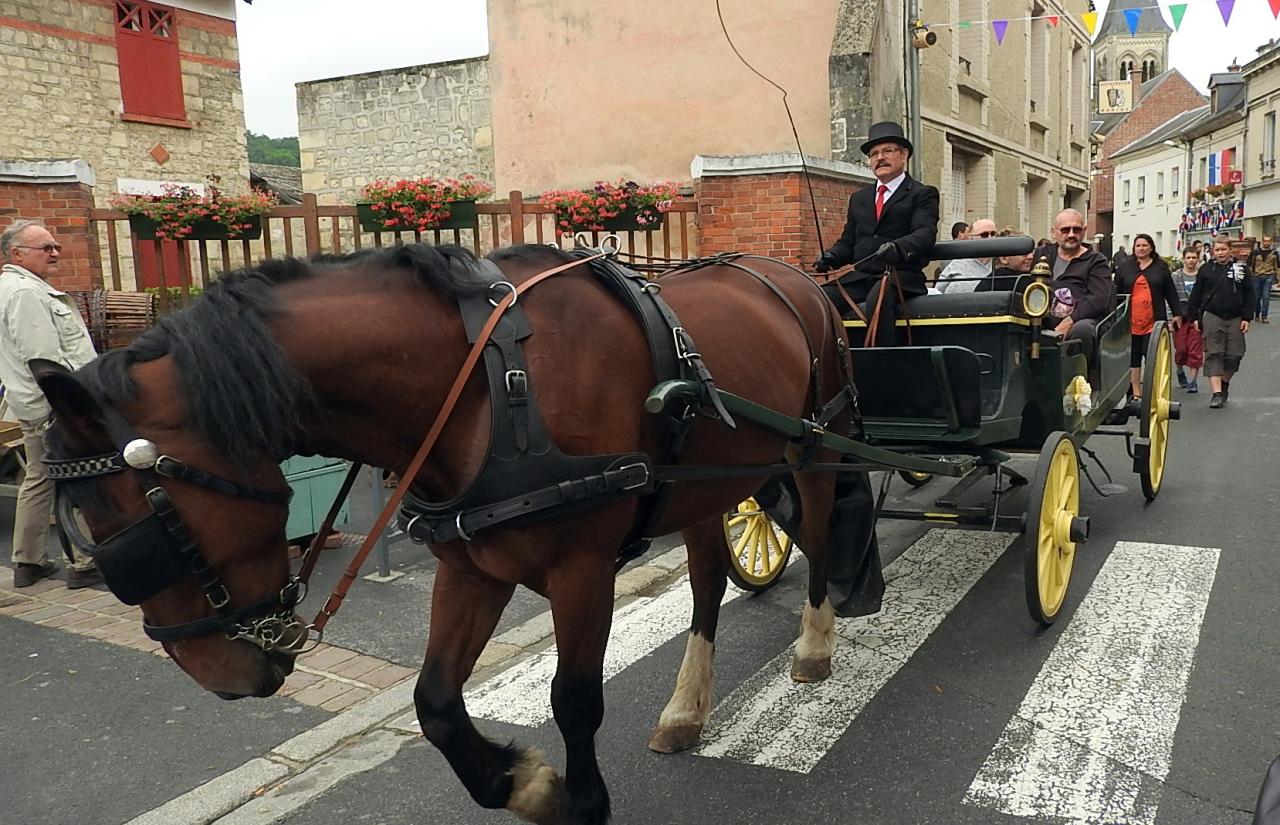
x,y
141,454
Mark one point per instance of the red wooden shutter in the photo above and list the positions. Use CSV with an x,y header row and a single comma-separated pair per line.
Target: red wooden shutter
x,y
150,69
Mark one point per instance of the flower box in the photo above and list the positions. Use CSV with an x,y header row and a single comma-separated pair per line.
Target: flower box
x,y
204,229
462,215
628,221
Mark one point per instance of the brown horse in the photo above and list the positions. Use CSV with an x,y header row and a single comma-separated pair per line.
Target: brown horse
x,y
351,357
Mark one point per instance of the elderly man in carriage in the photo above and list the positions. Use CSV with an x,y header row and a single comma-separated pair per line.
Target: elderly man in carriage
x,y
894,223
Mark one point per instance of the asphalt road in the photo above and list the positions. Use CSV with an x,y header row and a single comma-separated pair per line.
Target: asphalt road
x,y
1152,700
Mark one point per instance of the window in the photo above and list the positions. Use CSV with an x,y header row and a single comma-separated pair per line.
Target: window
x,y
1159,186
150,70
1038,72
1126,194
1204,172
1175,180
1269,144
1142,189
973,40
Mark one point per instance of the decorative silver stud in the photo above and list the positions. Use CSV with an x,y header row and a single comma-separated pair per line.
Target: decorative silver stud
x,y
141,454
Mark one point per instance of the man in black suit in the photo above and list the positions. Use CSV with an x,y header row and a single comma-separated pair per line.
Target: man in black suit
x,y
893,223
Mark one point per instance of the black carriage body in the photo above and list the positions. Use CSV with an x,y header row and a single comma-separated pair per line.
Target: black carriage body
x,y
969,382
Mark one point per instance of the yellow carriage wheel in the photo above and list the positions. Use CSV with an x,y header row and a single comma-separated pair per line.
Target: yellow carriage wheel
x,y
1054,527
1157,404
758,549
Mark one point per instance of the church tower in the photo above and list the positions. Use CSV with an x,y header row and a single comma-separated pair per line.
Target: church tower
x,y
1118,55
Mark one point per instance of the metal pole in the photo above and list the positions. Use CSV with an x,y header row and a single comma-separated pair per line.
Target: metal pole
x,y
912,56
379,498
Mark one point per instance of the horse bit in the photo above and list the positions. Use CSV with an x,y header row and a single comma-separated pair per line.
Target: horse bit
x,y
136,567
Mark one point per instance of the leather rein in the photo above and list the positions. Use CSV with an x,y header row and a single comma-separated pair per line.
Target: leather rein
x,y
135,569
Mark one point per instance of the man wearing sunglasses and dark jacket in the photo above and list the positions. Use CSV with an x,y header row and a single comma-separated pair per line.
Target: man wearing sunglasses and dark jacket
x,y
1081,284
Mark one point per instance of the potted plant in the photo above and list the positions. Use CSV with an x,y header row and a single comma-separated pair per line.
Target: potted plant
x,y
421,204
621,206
1228,189
181,213
1213,190
1197,195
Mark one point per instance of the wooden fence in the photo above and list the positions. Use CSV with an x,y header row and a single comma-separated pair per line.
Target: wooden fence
x,y
312,229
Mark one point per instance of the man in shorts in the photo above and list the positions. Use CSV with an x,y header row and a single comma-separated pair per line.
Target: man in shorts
x,y
1223,301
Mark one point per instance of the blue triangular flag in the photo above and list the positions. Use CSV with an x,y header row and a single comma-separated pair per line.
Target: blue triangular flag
x,y
1131,17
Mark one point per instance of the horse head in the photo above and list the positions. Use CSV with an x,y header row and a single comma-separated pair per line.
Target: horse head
x,y
173,466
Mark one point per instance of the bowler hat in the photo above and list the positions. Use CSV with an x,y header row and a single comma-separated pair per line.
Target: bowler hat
x,y
886,131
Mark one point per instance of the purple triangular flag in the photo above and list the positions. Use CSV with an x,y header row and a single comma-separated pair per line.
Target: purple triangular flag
x,y
1225,6
1000,25
1131,16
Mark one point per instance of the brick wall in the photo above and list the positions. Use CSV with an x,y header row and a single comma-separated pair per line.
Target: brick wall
x,y
771,214
64,209
1172,97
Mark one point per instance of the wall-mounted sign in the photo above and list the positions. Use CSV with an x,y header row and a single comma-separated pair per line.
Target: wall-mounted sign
x,y
1115,96
1235,176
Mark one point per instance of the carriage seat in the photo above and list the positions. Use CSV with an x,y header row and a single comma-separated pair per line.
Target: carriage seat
x,y
961,305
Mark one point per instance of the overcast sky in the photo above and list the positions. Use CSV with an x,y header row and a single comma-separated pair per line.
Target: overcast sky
x,y
283,42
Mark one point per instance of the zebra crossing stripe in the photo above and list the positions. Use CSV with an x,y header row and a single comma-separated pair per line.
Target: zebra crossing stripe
x,y
521,695
770,720
1093,738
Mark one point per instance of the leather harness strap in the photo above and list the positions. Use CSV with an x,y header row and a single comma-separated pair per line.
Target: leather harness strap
x,y
334,601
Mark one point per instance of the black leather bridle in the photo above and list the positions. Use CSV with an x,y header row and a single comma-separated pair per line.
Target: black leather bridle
x,y
157,550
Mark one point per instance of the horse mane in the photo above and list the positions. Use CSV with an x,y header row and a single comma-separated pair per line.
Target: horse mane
x,y
241,390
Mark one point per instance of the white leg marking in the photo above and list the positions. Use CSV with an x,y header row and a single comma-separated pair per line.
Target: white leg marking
x,y
535,789
691,702
1093,738
817,632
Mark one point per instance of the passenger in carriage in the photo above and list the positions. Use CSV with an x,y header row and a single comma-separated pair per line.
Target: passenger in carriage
x,y
964,274
893,223
1009,268
1081,284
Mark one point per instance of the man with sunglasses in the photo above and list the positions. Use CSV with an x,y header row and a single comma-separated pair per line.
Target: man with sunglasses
x,y
1082,290
964,274
37,320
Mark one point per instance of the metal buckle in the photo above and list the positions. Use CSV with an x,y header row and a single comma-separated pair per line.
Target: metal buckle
x,y
682,342
515,296
517,384
610,245
457,522
642,482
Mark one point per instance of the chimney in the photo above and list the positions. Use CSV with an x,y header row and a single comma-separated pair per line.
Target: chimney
x,y
1235,65
1135,77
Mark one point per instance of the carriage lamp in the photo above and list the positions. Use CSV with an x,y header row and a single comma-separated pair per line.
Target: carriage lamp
x,y
921,37
1035,301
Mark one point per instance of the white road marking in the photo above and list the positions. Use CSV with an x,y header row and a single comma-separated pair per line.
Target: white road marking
x,y
1093,738
521,695
772,721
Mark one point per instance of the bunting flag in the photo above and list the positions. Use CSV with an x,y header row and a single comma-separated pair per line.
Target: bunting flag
x,y
965,24
999,27
1178,9
1225,6
1275,8
1053,18
1132,16
1090,19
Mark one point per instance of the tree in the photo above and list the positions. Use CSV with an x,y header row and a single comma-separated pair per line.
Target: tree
x,y
280,151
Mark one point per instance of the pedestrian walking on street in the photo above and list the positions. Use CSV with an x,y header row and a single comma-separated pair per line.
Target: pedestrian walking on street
x,y
37,320
1223,299
1265,264
1188,343
1146,279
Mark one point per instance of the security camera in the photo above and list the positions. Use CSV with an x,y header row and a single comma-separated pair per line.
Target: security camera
x,y
921,37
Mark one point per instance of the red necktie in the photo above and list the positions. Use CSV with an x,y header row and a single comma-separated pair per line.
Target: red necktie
x,y
880,199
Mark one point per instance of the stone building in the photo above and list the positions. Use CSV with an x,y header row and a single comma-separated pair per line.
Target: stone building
x,y
1217,141
1258,161
1153,179
142,93
1119,54
578,94
1005,125
423,120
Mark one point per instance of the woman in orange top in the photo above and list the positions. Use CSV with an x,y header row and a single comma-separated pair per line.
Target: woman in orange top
x,y
1145,278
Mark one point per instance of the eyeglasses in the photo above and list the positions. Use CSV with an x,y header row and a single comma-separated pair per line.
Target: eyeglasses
x,y
48,248
985,235
1071,230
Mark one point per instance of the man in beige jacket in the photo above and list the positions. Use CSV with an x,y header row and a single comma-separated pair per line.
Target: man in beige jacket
x,y
37,320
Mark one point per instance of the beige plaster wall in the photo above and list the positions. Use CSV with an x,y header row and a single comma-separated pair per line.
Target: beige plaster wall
x,y
60,97
581,94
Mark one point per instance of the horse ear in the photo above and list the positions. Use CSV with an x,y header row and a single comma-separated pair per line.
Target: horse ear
x,y
73,405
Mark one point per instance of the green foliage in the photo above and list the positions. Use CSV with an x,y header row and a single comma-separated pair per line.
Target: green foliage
x,y
280,151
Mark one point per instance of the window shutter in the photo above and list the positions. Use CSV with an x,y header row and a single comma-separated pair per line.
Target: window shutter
x,y
150,69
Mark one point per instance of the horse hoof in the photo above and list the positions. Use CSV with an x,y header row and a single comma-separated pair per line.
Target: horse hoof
x,y
810,670
675,739
536,790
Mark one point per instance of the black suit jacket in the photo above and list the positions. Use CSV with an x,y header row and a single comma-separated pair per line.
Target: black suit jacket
x,y
909,219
